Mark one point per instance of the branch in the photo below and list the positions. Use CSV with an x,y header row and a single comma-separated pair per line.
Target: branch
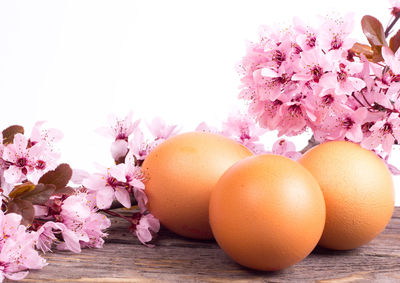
x,y
311,143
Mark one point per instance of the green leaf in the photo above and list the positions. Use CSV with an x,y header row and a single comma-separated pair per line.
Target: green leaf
x,y
20,189
23,208
10,132
40,195
58,177
394,42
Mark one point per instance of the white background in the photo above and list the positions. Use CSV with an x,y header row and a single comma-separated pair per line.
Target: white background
x,y
73,62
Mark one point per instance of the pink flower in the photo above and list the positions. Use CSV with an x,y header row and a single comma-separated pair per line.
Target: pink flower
x,y
306,35
343,125
333,33
312,66
342,79
384,132
285,148
295,115
148,226
108,185
21,159
17,253
160,130
84,226
47,237
119,129
134,178
243,129
138,146
48,136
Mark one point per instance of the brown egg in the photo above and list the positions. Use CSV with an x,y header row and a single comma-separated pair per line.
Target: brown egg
x,y
267,212
179,176
358,191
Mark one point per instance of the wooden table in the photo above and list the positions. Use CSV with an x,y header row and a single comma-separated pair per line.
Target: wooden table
x,y
124,259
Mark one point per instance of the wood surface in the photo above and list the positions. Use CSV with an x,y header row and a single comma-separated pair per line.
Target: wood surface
x,y
176,259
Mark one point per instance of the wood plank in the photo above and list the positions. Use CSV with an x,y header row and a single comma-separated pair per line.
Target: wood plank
x,y
124,259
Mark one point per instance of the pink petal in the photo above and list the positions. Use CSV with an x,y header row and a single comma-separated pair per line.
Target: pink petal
x,y
13,175
118,172
141,199
71,242
355,134
104,197
137,184
387,143
119,149
390,59
79,175
20,143
94,182
358,84
123,197
9,153
16,275
328,81
267,72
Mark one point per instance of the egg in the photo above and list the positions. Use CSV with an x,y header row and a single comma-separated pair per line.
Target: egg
x,y
358,191
179,175
267,212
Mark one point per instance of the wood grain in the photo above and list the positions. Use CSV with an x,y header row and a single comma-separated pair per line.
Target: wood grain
x,y
175,259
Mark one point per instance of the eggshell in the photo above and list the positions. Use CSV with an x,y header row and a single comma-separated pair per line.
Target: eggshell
x,y
358,191
179,176
267,212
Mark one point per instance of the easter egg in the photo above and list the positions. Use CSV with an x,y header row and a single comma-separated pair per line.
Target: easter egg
x,y
358,191
179,175
267,212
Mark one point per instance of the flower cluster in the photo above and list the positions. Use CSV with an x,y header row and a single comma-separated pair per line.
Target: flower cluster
x,y
319,78
38,209
123,181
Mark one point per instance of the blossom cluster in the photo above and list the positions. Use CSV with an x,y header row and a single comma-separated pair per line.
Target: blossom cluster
x,y
319,78
38,210
123,181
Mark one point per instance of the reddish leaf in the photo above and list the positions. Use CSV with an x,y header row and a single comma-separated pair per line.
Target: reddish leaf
x,y
375,34
394,42
377,55
359,49
58,177
20,189
40,195
65,191
23,208
10,132
373,30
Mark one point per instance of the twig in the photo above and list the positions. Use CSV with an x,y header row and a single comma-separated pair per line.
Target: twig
x,y
391,25
116,214
311,143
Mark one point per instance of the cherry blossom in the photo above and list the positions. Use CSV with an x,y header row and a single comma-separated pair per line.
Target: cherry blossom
x,y
148,225
160,130
285,148
17,252
108,185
